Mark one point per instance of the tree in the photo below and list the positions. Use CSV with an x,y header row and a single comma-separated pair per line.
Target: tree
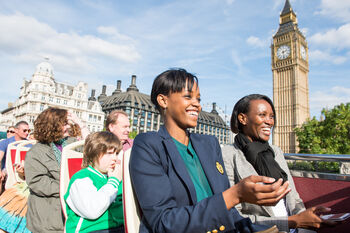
x,y
132,134
330,135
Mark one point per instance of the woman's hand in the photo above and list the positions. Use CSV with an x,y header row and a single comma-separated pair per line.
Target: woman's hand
x,y
256,190
71,116
310,218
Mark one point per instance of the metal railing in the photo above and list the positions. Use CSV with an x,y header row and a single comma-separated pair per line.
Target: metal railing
x,y
319,158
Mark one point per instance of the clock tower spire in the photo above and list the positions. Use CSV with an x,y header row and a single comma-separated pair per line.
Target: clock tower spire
x,y
290,68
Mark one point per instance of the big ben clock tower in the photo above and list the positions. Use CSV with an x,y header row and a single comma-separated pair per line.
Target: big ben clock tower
x,y
290,69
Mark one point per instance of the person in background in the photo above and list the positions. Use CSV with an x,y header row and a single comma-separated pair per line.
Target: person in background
x,y
253,118
118,123
179,177
31,136
75,131
94,197
42,169
21,131
13,205
10,132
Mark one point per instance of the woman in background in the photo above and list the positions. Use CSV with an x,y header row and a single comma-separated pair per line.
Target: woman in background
x,y
42,169
252,119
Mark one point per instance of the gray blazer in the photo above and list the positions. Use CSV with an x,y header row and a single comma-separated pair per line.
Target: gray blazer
x,y
42,173
238,168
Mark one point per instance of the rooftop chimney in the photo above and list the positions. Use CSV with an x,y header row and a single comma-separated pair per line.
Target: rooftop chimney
x,y
214,109
132,86
92,97
118,90
102,96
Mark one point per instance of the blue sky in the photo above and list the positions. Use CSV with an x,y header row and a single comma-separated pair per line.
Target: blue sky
x,y
226,43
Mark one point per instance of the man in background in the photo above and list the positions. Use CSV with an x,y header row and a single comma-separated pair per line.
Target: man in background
x,y
21,131
118,123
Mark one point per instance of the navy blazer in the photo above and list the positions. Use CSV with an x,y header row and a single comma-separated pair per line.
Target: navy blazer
x,y
165,190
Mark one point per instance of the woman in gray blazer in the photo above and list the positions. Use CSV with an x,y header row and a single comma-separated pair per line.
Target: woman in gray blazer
x,y
252,119
42,169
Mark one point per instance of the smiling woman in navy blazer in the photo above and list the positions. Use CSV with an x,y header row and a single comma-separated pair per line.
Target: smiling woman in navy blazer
x,y
179,177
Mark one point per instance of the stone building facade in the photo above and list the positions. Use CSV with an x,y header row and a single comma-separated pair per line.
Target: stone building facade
x,y
145,117
290,68
42,91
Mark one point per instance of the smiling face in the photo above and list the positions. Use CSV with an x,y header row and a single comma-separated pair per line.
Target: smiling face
x,y
181,109
106,161
259,121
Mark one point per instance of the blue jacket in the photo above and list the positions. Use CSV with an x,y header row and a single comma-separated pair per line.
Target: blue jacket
x,y
166,193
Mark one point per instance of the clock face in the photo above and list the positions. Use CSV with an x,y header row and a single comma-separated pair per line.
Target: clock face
x,y
283,52
303,52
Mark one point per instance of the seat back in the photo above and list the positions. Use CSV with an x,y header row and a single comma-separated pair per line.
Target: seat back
x,y
71,161
21,151
131,208
334,194
10,161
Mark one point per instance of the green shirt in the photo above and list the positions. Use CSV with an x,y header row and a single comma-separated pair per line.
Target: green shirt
x,y
194,168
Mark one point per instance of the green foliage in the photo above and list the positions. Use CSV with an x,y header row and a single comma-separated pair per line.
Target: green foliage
x,y
332,167
132,134
328,136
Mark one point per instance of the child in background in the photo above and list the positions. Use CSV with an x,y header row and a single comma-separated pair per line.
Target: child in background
x,y
94,195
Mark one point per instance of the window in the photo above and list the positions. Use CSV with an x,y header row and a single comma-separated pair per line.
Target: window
x,y
65,102
50,99
58,100
41,107
43,98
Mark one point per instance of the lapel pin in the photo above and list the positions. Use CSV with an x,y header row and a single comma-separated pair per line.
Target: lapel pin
x,y
219,167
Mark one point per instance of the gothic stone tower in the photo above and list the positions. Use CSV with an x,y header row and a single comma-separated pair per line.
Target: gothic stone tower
x,y
290,69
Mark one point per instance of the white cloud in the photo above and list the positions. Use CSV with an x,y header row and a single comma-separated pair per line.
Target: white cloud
x,y
25,39
336,38
318,55
114,33
339,9
328,99
257,42
304,31
230,2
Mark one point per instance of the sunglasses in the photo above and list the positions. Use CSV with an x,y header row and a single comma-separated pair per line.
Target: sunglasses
x,y
10,131
26,130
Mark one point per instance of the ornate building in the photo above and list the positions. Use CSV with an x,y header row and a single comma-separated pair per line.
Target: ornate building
x,y
42,91
145,117
290,69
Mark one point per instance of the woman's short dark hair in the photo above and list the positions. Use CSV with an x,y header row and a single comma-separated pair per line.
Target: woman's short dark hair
x,y
242,106
171,81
